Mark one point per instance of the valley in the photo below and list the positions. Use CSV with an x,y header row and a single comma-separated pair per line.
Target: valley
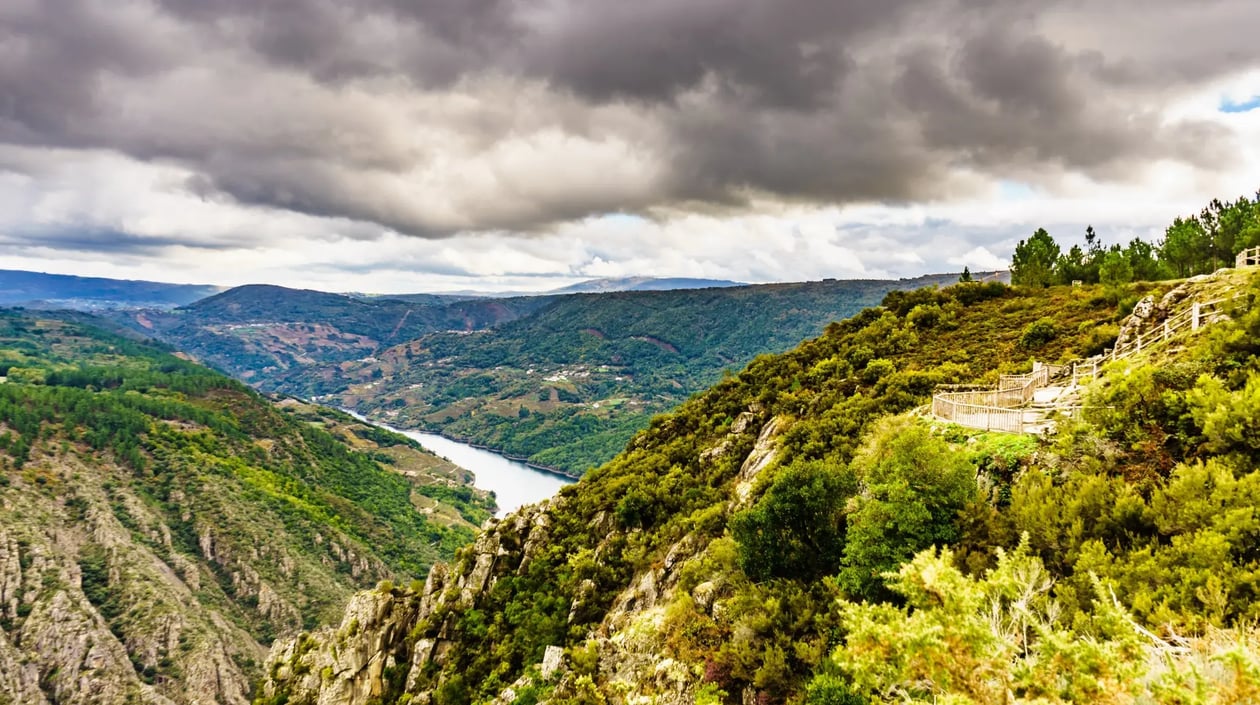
x,y
560,381
543,352
511,482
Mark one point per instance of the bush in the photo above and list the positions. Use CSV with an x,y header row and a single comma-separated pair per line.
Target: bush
x,y
924,316
1100,338
1038,333
913,486
796,530
827,689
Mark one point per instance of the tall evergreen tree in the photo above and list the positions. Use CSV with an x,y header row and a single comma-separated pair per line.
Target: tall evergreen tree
x,y
1035,259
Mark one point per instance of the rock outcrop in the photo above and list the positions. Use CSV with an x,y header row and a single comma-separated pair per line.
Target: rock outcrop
x,y
382,646
391,642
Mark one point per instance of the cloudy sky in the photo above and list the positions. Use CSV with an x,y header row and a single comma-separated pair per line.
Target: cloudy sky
x,y
426,145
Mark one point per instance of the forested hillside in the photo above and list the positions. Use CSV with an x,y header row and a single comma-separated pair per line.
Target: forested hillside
x,y
160,523
568,385
799,534
563,381
273,337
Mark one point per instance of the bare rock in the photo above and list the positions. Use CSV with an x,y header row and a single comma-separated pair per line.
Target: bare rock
x,y
553,659
743,422
762,455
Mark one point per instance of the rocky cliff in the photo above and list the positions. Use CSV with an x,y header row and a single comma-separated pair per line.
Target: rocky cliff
x,y
90,615
161,525
400,645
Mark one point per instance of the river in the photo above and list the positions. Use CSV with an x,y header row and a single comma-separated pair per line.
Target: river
x,y
514,483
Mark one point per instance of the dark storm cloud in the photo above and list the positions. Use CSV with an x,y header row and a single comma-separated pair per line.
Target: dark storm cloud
x,y
435,116
103,241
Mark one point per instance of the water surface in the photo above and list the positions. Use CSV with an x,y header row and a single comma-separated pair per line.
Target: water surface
x,y
514,483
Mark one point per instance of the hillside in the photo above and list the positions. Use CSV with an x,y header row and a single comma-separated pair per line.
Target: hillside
x,y
161,524
799,534
563,381
567,386
261,333
92,293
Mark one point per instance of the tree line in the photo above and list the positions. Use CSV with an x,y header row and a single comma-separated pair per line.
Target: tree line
x,y
1198,244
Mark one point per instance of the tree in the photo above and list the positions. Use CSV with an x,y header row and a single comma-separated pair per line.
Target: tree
x,y
913,486
1143,260
1115,270
1034,260
1249,223
1072,266
966,275
796,530
1185,241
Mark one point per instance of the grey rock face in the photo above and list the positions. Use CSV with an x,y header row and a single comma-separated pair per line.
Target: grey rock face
x,y
385,634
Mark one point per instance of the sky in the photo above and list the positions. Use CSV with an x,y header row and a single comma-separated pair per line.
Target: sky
x,y
434,145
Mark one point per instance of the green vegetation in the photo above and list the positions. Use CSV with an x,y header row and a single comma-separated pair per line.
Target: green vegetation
x,y
183,495
588,371
913,486
773,559
130,401
1199,244
883,558
797,530
563,381
1002,637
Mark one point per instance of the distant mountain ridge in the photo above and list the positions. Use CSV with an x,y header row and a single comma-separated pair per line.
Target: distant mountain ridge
x,y
599,286
39,289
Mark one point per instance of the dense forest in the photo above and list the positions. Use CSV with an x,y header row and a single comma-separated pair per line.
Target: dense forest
x,y
799,534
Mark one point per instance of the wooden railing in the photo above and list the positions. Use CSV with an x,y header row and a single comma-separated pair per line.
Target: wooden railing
x,y
983,416
1031,381
1249,257
1002,409
1192,318
995,409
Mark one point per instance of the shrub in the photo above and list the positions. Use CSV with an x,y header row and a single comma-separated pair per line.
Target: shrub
x,y
913,486
924,316
796,530
1038,333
